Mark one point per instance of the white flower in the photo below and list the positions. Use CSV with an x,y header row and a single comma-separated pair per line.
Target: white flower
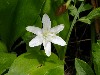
x,y
46,35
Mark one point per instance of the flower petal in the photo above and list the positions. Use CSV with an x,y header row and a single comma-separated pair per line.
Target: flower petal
x,y
57,29
33,29
47,48
58,40
36,41
46,22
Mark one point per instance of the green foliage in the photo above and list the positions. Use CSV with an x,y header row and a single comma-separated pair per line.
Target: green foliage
x,y
3,47
94,13
82,67
6,59
73,10
85,20
74,21
86,7
96,56
15,16
37,63
7,8
27,13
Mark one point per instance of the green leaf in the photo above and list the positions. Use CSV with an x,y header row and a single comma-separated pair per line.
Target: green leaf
x,y
37,63
85,20
6,59
94,13
96,56
73,10
7,8
3,47
86,7
82,67
15,16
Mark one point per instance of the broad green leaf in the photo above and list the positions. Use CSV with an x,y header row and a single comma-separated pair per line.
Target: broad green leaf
x,y
50,8
7,8
6,59
96,56
85,20
37,63
94,13
82,67
27,13
3,47
16,16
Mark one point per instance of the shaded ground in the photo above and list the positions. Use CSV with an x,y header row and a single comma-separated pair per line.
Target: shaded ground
x,y
79,47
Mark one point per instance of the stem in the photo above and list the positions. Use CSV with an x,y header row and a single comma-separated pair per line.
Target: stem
x,y
73,23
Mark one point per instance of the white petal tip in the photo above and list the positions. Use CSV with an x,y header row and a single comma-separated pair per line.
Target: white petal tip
x,y
62,26
48,55
45,14
28,28
63,44
31,45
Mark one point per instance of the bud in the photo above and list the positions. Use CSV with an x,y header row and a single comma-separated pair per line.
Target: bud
x,y
61,9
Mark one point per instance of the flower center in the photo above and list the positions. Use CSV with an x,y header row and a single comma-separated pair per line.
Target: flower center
x,y
46,34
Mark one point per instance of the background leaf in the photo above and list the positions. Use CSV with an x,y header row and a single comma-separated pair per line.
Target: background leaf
x,y
85,20
94,13
82,67
37,63
7,8
96,56
73,10
3,47
86,7
6,59
15,16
